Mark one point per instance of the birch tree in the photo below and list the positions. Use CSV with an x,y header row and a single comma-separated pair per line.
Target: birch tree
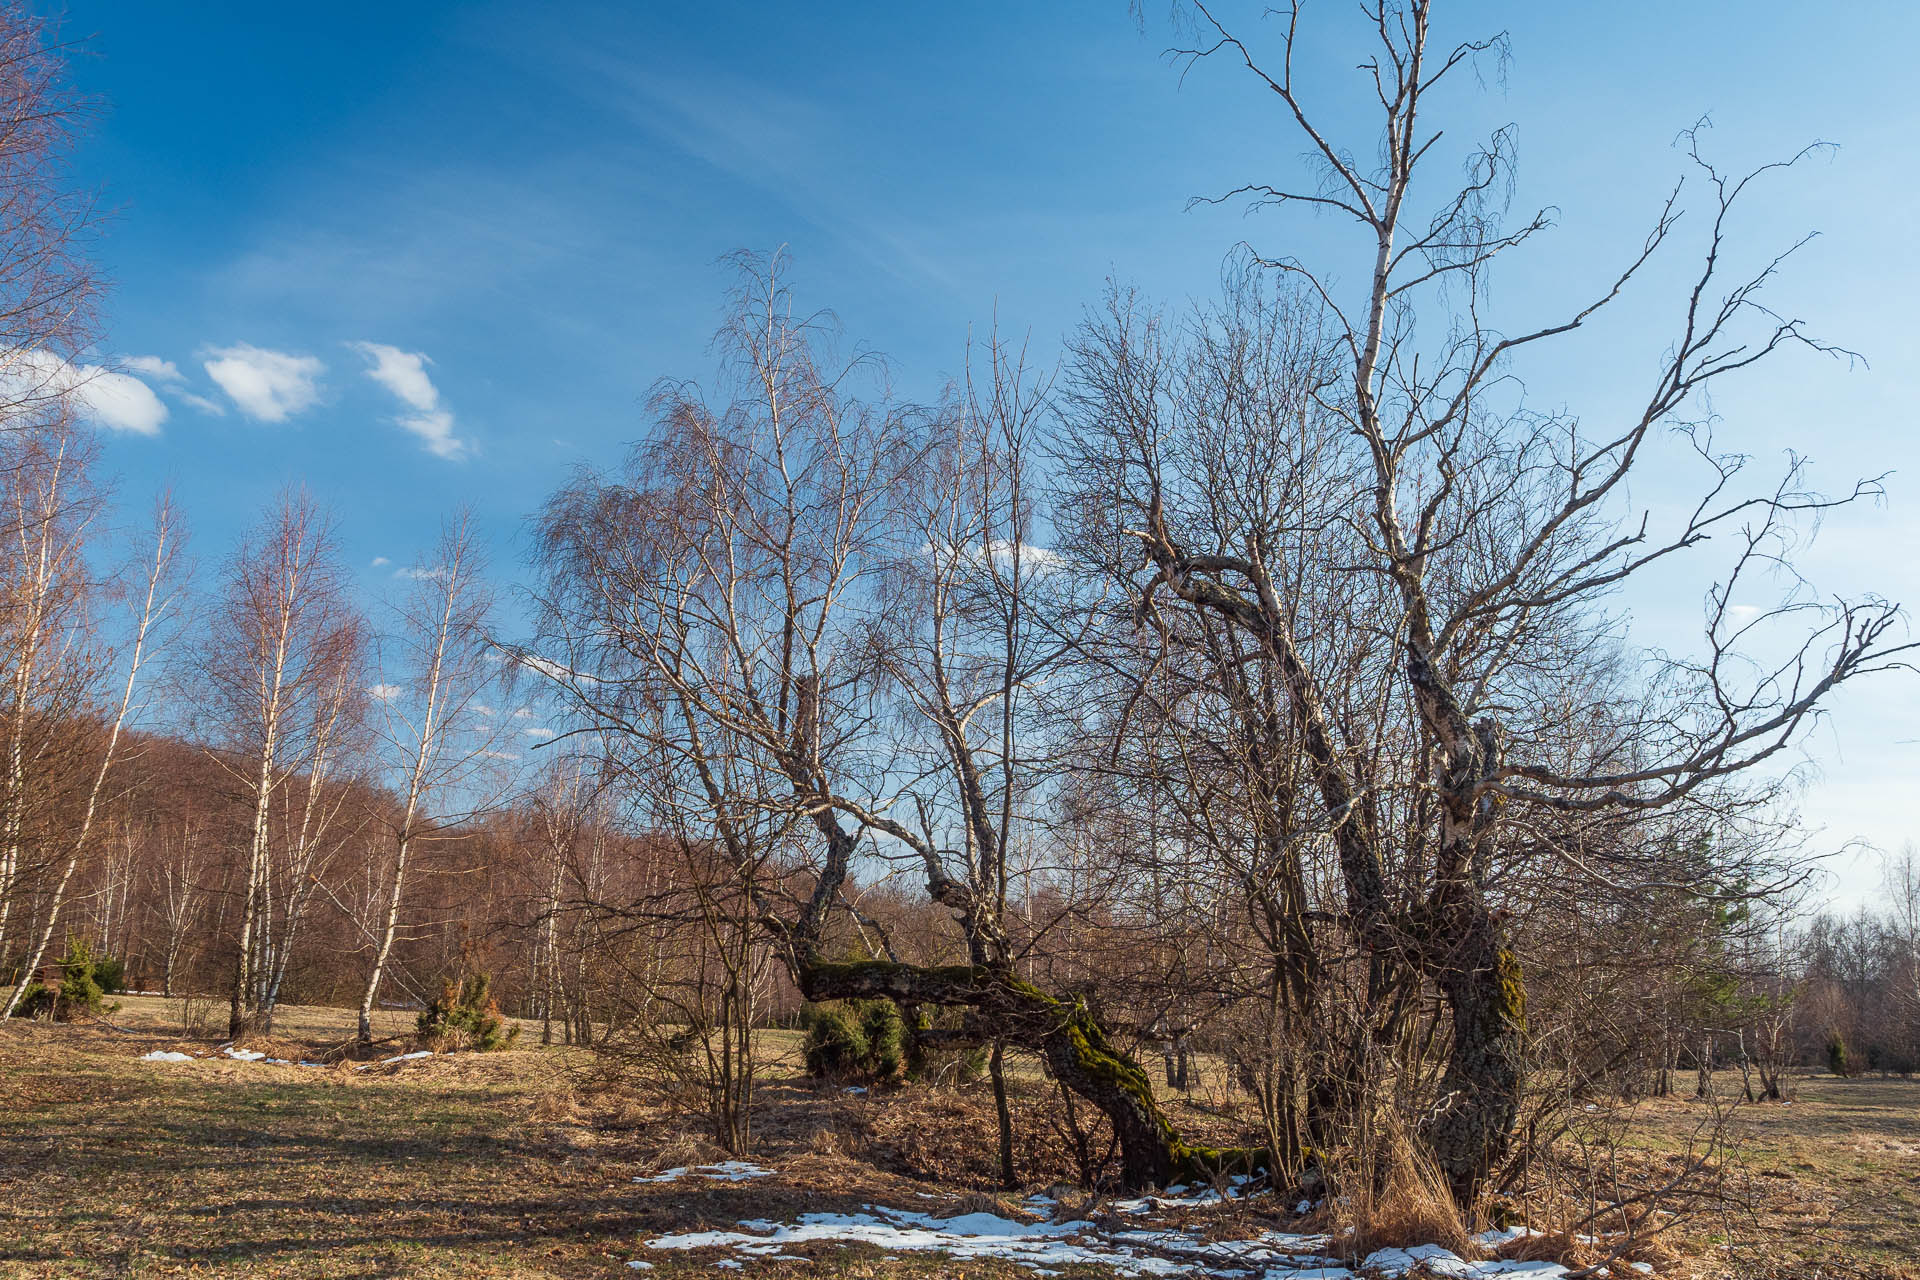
x,y
435,733
274,675
154,601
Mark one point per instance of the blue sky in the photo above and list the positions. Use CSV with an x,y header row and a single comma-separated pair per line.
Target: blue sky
x,y
512,214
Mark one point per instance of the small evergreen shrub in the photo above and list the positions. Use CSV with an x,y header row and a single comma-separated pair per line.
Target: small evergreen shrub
x,y
465,1016
861,1040
1837,1061
80,991
35,1002
836,1047
886,1038
111,973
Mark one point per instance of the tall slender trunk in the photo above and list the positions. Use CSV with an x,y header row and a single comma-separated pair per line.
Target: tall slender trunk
x,y
996,1068
243,998
388,932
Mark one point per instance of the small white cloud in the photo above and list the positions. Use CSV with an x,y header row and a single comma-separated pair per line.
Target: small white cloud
x,y
404,373
501,755
386,692
203,404
154,367
120,402
114,400
268,386
537,732
417,574
481,708
1743,612
524,713
381,562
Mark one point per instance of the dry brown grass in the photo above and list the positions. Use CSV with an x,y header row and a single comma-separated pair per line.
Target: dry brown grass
x,y
521,1164
1390,1194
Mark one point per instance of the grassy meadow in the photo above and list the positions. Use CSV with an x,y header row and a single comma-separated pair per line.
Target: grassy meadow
x,y
522,1163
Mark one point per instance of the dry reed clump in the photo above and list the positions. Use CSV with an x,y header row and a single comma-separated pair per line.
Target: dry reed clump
x,y
1000,1204
1387,1192
685,1151
1577,1250
555,1100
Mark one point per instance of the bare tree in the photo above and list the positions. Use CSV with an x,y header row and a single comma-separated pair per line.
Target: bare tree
x,y
48,285
1499,531
435,732
276,675
718,606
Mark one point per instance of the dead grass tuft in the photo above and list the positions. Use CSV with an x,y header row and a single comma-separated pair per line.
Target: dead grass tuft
x,y
1391,1194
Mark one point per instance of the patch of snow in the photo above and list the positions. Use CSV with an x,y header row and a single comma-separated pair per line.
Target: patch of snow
x,y
243,1055
166,1055
1143,1251
725,1171
1035,1245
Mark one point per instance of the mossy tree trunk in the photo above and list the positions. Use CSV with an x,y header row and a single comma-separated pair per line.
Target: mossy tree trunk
x,y
1006,1007
1471,1130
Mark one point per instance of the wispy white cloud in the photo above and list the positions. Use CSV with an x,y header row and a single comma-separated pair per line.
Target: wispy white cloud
x,y
267,386
417,574
385,692
111,399
404,373
780,143
154,367
381,562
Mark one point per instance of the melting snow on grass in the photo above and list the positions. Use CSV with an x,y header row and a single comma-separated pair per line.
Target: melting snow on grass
x,y
254,1055
725,1171
1046,1246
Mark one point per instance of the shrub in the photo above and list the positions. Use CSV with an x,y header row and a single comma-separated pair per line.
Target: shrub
x,y
465,1016
836,1046
1837,1055
886,1038
79,993
36,1001
111,973
855,1040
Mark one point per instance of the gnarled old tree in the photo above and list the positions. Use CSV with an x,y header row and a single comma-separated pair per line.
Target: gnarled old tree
x,y
778,589
1486,532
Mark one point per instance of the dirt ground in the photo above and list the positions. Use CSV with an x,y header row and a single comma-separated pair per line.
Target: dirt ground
x,y
522,1163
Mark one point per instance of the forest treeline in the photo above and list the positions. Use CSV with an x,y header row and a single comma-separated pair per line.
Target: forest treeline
x,y
1252,682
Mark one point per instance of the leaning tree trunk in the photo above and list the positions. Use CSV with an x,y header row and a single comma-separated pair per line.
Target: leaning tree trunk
x,y
1076,1048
